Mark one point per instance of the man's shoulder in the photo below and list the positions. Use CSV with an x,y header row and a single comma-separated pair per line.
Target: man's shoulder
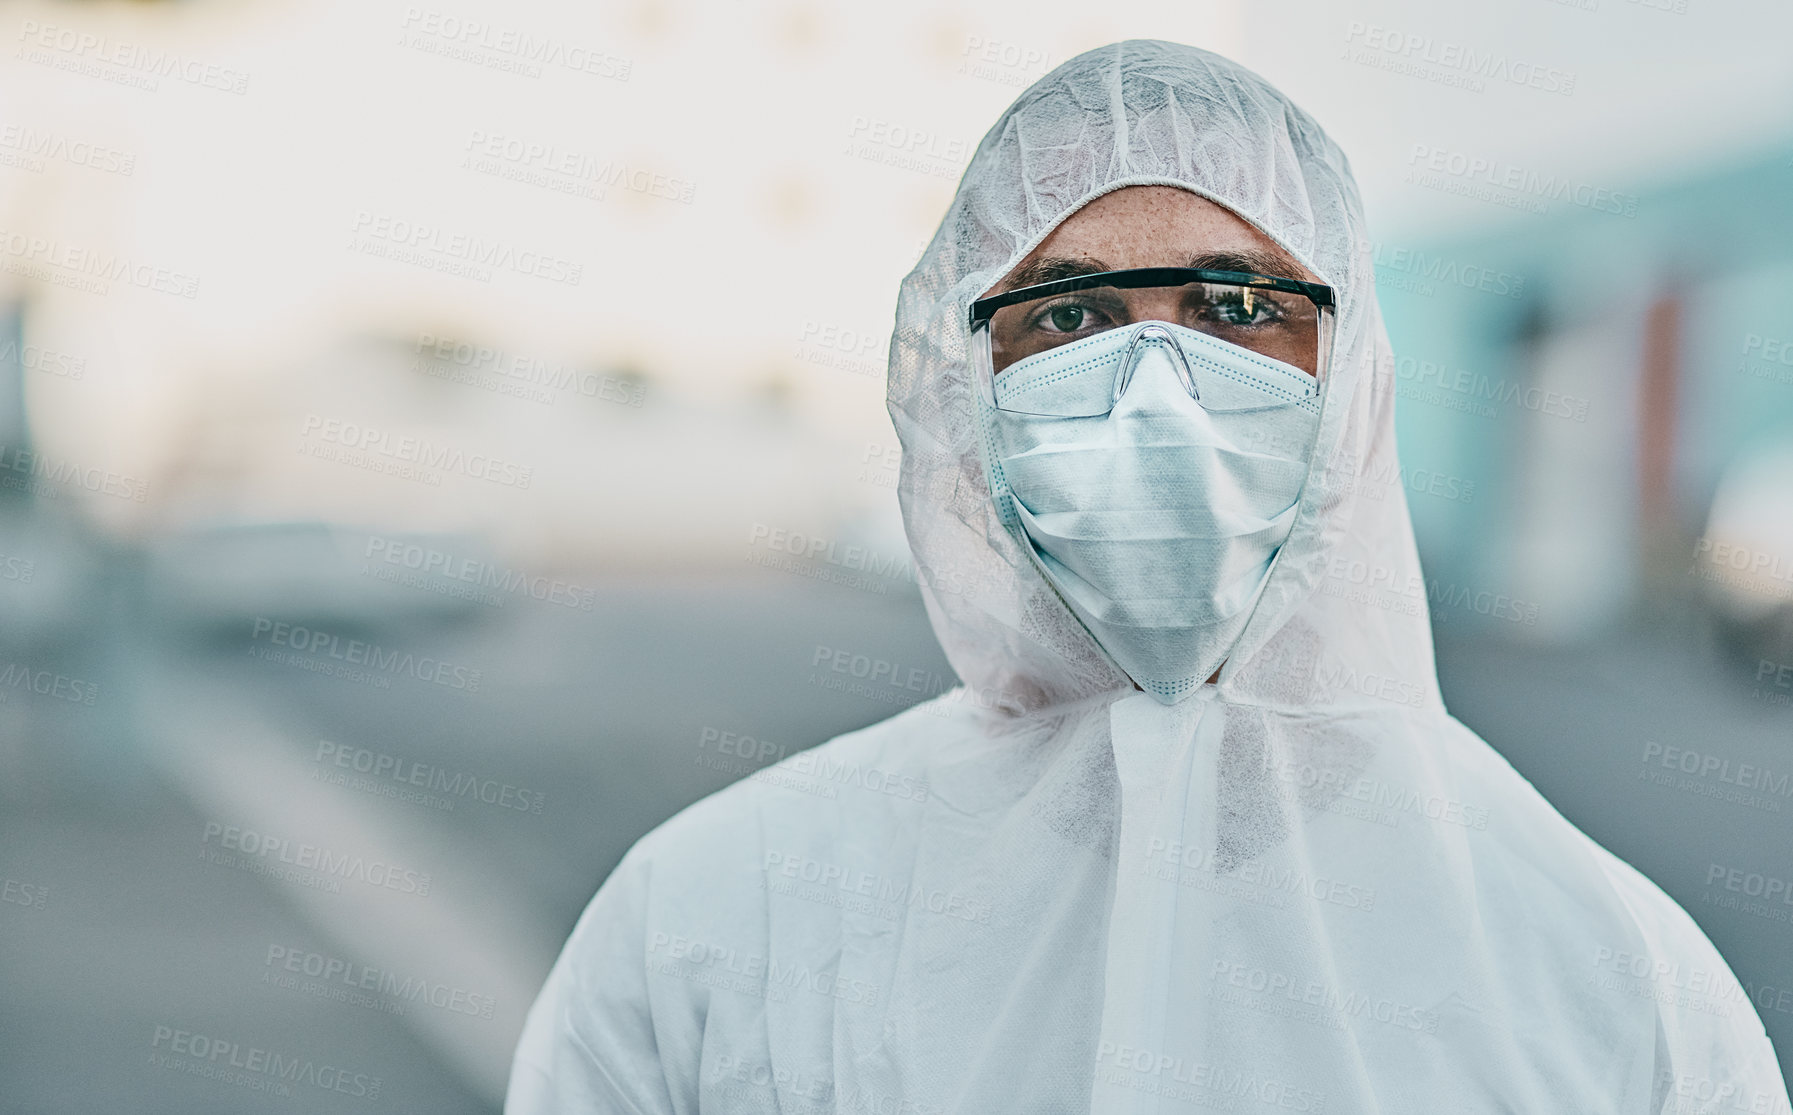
x,y
1629,940
1547,857
1710,1037
1675,955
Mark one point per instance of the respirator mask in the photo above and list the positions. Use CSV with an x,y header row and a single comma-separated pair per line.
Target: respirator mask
x,y
1147,434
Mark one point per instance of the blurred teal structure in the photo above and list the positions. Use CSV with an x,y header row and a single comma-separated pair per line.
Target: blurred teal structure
x,y
1573,385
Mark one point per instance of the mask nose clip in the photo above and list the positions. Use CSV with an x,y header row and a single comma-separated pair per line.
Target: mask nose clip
x,y
1152,333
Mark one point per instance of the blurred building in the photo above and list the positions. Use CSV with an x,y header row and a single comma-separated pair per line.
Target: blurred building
x,y
1574,387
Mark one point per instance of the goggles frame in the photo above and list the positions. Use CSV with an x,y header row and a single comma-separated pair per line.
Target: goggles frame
x,y
983,309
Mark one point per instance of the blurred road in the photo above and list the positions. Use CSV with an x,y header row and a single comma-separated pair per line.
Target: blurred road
x,y
172,841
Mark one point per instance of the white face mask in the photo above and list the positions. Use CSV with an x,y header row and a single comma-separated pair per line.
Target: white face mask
x,y
1158,522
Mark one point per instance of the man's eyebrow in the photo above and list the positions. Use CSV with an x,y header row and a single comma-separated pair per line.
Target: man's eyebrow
x,y
1048,269
1251,260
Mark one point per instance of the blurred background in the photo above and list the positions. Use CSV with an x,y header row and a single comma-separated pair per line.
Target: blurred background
x,y
437,443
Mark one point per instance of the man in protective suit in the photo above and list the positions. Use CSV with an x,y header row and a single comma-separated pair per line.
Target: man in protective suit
x,y
1197,832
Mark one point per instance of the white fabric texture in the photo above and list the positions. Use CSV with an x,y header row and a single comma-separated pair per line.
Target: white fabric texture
x,y
1306,888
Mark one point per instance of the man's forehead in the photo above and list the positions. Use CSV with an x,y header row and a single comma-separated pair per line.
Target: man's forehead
x,y
1155,225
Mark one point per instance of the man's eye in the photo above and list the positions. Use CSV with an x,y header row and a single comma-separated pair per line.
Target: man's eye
x,y
1068,317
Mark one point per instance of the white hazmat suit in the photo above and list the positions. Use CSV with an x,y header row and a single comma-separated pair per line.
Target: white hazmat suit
x,y
1303,888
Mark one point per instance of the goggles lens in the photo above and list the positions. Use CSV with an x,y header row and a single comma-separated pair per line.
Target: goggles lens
x,y
1281,325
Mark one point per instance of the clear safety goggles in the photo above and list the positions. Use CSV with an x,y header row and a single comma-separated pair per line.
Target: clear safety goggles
x,y
1286,320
